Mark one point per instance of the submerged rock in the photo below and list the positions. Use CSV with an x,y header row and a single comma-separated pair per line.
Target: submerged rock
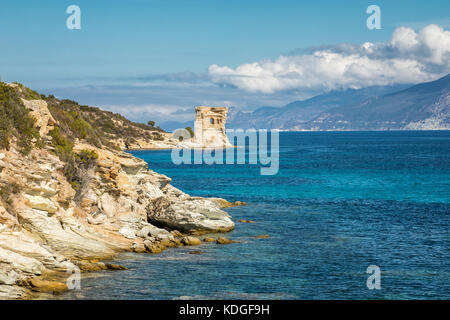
x,y
223,240
227,204
246,221
262,236
112,266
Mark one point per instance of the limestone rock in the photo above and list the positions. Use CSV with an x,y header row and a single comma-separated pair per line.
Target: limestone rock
x,y
138,247
54,287
13,292
65,242
21,263
152,231
176,233
107,204
194,216
27,247
97,219
39,110
8,277
191,241
41,203
153,247
88,266
48,226
127,232
223,240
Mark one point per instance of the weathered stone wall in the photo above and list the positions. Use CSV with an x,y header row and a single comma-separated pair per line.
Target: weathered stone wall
x,y
210,127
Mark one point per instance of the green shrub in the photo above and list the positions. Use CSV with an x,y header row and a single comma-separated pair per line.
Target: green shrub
x,y
63,146
15,120
72,122
158,136
27,93
64,150
87,157
7,190
79,126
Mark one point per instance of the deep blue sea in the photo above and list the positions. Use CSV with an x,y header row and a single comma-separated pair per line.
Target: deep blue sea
x,y
340,202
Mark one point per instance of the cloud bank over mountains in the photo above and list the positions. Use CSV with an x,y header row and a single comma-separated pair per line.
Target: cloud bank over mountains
x,y
409,57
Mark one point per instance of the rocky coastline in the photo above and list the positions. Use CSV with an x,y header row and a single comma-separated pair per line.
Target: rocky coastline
x,y
49,229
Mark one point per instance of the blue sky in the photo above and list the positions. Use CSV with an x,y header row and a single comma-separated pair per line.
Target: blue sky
x,y
157,54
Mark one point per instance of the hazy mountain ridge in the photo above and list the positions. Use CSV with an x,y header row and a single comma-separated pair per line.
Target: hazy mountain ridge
x,y
424,106
300,112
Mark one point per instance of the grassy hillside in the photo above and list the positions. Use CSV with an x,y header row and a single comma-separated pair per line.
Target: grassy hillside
x,y
16,123
97,126
74,122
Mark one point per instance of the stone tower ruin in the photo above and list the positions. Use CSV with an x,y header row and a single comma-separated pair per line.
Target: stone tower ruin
x,y
209,127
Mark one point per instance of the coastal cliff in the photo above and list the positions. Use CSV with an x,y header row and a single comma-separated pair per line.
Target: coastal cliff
x,y
71,198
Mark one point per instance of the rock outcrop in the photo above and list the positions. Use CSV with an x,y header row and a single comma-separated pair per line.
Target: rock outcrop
x,y
189,214
120,205
39,110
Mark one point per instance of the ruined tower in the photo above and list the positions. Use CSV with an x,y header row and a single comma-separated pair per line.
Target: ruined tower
x,y
210,127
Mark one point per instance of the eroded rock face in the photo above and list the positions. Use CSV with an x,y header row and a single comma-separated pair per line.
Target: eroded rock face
x,y
39,110
46,225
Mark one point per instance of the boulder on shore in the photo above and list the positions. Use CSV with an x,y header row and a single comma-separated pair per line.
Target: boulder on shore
x,y
191,241
193,215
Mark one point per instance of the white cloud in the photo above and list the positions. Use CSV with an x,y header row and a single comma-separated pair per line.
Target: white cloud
x,y
409,57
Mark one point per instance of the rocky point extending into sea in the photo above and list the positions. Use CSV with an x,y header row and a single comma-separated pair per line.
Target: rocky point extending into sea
x,y
50,226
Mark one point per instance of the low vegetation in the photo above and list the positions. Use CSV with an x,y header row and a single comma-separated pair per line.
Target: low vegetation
x,y
6,191
99,127
16,121
74,122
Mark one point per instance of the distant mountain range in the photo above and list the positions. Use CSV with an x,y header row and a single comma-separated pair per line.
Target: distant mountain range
x,y
299,112
424,106
171,126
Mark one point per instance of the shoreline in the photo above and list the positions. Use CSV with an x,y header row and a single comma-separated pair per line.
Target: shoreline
x,y
68,204
178,148
123,207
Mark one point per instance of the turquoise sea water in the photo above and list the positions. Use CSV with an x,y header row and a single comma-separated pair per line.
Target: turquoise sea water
x,y
340,202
